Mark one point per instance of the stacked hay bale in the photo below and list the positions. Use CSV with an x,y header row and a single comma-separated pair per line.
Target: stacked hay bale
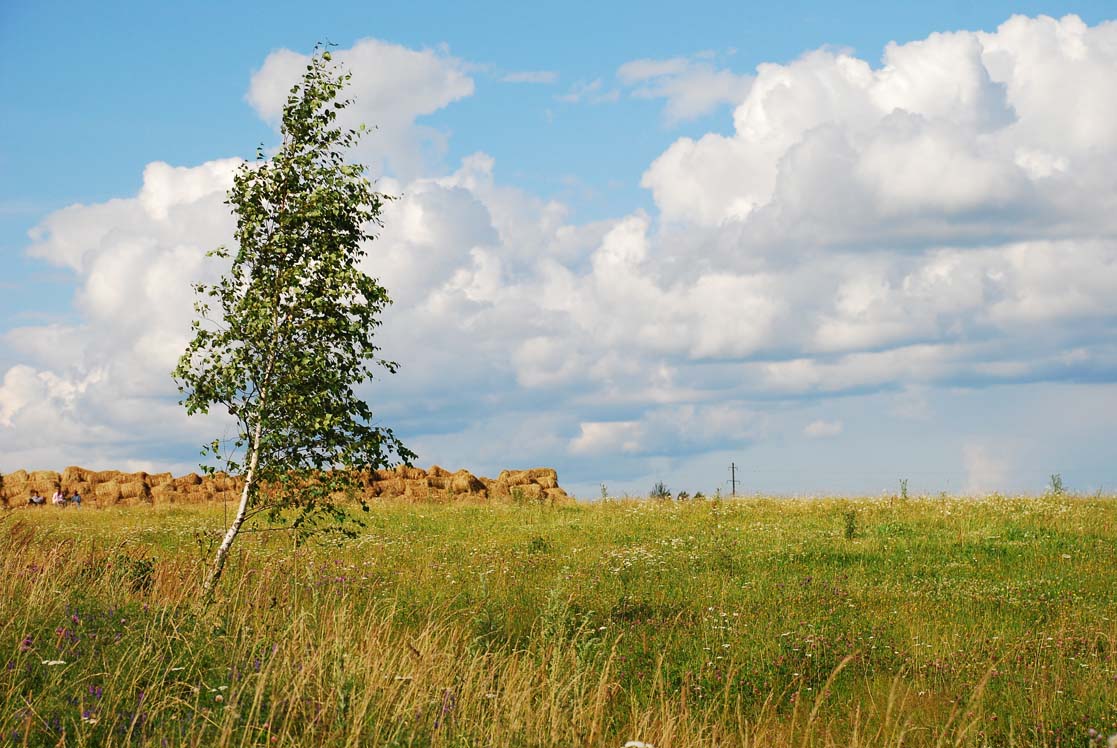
x,y
112,487
17,486
539,485
77,479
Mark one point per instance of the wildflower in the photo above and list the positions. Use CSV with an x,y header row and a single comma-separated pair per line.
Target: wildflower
x,y
27,643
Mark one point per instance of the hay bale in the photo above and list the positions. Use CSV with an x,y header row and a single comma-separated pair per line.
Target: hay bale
x,y
557,496
135,490
542,472
164,494
187,481
527,492
75,474
514,477
104,476
43,481
464,482
439,482
383,474
17,491
18,476
416,489
437,472
107,492
393,487
159,479
410,473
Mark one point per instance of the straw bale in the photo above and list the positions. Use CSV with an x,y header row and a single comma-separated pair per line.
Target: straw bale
x,y
17,476
104,475
410,473
416,489
75,474
528,491
465,482
547,481
163,494
43,480
107,492
383,474
135,489
14,490
192,479
439,482
159,479
514,477
542,472
392,487
436,472
557,496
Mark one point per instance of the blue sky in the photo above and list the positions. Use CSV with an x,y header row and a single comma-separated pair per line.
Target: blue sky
x,y
599,120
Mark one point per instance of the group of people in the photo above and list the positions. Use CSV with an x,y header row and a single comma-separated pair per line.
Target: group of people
x,y
59,499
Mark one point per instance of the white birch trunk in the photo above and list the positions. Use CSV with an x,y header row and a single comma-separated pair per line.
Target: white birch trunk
x,y
242,512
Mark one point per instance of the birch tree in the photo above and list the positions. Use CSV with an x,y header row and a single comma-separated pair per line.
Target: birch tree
x,y
284,338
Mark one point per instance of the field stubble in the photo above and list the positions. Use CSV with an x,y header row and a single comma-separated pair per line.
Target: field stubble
x,y
933,622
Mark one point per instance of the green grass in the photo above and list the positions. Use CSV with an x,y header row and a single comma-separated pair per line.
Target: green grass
x,y
747,622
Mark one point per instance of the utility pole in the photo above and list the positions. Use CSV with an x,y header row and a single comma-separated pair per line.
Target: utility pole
x,y
733,477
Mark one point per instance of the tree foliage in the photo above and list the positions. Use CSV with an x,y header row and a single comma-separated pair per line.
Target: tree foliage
x,y
286,335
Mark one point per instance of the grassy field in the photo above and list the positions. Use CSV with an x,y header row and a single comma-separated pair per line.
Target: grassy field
x,y
733,623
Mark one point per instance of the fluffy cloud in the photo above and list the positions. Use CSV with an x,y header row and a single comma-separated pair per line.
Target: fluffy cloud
x,y
394,86
692,87
926,224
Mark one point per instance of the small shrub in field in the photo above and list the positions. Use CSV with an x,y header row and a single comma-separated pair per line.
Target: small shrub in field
x,y
660,491
850,518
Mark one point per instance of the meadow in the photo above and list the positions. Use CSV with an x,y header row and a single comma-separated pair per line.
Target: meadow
x,y
746,622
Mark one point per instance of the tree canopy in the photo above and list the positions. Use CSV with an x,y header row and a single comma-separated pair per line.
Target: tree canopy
x,y
284,338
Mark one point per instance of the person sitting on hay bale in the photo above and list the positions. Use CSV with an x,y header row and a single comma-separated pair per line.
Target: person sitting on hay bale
x,y
76,499
36,499
59,498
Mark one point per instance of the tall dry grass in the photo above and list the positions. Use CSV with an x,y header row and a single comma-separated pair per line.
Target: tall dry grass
x,y
371,644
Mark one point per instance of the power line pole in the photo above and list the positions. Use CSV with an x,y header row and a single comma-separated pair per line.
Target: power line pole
x,y
733,477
